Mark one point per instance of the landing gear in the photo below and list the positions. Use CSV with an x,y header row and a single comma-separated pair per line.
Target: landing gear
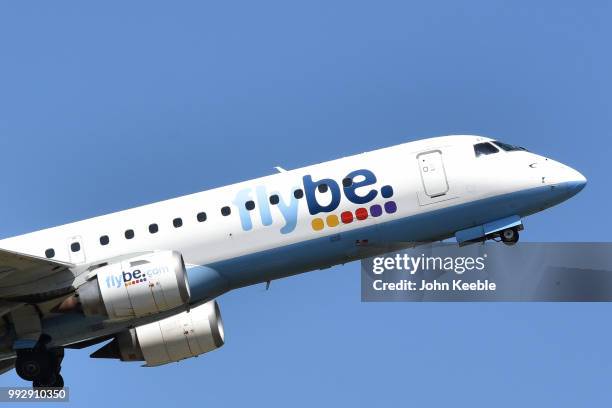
x,y
31,364
509,236
54,381
40,365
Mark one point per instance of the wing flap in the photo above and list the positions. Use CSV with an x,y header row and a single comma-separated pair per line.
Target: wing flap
x,y
23,274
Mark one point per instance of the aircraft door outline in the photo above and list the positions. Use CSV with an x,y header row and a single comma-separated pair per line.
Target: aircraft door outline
x,y
433,174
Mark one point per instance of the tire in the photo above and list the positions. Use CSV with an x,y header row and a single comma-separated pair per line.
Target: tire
x,y
509,236
30,365
59,381
47,381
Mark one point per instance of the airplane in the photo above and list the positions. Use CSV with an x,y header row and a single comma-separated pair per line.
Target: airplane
x,y
145,280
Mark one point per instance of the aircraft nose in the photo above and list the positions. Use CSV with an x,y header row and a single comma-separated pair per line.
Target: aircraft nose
x,y
575,181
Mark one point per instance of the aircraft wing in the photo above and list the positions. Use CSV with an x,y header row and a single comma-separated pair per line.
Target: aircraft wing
x,y
23,276
7,365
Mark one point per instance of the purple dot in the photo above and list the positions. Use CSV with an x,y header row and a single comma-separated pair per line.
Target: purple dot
x,y
376,210
386,191
390,207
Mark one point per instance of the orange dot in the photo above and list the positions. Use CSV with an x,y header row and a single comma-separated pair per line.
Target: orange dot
x,y
332,220
317,224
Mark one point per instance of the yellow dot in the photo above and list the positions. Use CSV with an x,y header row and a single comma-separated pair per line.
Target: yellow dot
x,y
332,220
317,224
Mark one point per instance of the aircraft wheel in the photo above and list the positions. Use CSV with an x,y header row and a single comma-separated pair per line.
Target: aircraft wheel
x,y
31,364
46,381
59,381
509,236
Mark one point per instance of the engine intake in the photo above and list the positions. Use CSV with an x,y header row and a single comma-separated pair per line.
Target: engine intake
x,y
184,335
137,287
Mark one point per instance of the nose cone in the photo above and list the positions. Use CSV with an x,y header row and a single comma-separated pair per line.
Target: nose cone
x,y
574,181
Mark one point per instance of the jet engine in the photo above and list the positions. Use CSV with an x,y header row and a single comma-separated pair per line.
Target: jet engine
x,y
136,287
184,335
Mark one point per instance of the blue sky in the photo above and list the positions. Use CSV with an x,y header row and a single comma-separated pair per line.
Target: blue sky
x,y
105,106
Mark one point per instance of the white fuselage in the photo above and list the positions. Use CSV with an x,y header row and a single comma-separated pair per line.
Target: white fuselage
x,y
415,192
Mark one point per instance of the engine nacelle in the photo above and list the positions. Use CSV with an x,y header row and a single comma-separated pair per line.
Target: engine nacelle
x,y
137,287
184,335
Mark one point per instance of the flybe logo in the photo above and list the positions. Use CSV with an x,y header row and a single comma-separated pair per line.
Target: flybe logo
x,y
125,279
357,187
133,277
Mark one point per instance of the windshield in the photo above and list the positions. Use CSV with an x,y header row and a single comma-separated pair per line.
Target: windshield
x,y
483,149
508,147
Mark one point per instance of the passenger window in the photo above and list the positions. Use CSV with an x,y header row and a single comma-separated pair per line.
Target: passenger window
x,y
104,240
201,216
347,182
129,234
153,228
75,247
274,199
482,149
250,205
177,222
225,211
322,188
50,253
299,193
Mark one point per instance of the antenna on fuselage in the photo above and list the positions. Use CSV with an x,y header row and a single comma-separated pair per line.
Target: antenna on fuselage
x,y
279,169
267,285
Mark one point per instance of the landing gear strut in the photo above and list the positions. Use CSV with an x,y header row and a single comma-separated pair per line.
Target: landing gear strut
x,y
509,236
41,365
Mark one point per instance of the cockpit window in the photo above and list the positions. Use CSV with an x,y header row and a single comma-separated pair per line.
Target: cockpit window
x,y
508,147
481,149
